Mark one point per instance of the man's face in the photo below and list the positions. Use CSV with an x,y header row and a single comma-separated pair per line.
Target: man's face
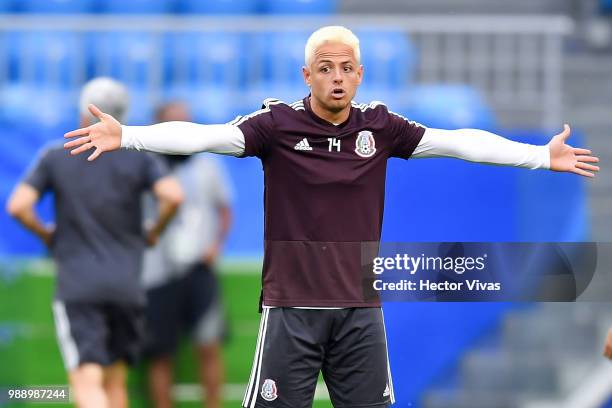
x,y
333,76
175,111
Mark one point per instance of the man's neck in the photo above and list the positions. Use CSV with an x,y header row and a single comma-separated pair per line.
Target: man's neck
x,y
332,117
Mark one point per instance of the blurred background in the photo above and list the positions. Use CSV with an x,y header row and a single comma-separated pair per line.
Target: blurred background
x,y
520,69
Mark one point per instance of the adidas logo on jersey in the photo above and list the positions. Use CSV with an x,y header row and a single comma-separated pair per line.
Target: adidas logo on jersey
x,y
303,145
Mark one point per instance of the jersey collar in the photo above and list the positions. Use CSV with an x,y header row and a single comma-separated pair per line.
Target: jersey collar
x,y
323,121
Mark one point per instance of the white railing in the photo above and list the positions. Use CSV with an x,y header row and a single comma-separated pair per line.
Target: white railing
x,y
515,61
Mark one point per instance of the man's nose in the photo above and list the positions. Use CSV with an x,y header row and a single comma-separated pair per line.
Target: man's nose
x,y
337,76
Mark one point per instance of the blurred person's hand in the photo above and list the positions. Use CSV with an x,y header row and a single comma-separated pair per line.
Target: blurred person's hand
x,y
212,254
47,235
608,346
152,237
564,157
104,136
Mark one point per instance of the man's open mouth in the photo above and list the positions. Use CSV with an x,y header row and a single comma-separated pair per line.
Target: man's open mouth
x,y
338,93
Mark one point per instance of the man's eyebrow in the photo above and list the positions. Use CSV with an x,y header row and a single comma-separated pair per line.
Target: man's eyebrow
x,y
330,61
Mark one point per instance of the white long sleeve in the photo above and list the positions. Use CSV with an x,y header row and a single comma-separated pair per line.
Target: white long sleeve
x,y
483,147
184,138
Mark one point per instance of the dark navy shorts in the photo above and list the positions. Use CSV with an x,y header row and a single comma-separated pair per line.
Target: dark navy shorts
x,y
348,346
189,305
100,333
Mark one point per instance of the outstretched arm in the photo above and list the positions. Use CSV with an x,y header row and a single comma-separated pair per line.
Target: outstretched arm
x,y
170,137
485,147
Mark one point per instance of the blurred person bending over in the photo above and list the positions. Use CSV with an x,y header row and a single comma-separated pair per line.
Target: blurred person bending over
x,y
183,295
324,159
97,245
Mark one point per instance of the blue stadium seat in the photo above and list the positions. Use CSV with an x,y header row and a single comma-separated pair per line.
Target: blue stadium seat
x,y
300,7
208,103
218,6
47,58
137,6
388,58
256,94
7,6
58,6
206,58
142,105
133,57
449,107
278,56
39,109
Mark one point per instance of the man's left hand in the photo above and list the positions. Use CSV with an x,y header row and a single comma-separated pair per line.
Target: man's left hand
x,y
564,157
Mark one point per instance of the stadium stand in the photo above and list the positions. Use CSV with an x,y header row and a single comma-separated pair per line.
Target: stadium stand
x,y
390,57
300,7
133,57
6,6
46,58
137,6
277,56
218,7
490,342
57,6
207,58
450,107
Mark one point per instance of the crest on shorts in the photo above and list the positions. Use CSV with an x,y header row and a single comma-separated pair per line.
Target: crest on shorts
x,y
365,146
268,390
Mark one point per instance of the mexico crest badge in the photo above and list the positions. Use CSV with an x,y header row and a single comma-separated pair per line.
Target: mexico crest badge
x,y
365,146
268,390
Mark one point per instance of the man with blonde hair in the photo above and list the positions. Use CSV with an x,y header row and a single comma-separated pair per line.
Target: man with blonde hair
x,y
97,246
324,160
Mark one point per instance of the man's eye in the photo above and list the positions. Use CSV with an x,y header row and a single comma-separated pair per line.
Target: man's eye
x,y
348,69
325,69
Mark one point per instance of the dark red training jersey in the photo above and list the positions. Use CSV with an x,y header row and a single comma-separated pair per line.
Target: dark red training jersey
x,y
324,196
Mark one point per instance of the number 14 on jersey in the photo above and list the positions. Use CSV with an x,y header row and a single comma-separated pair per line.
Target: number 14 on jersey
x,y
333,143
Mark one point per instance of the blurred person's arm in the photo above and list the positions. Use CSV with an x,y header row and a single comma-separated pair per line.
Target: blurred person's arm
x,y
225,222
21,206
608,346
169,196
486,147
168,137
220,192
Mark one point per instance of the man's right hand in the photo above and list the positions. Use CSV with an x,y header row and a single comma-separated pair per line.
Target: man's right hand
x,y
104,136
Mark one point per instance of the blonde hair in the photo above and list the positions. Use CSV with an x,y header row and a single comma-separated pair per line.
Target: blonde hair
x,y
330,34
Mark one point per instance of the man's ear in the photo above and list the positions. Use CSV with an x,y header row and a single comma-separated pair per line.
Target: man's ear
x,y
306,74
360,73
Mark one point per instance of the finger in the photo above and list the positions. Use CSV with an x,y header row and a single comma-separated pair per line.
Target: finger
x,y
566,132
578,150
588,159
81,149
585,166
77,142
95,111
95,154
79,132
582,172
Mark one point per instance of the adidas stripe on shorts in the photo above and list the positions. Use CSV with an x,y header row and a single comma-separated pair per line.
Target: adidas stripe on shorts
x,y
347,345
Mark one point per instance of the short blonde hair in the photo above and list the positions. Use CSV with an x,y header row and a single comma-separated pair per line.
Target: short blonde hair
x,y
331,34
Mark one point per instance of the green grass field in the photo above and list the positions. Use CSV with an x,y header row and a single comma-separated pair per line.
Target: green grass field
x,y
30,355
